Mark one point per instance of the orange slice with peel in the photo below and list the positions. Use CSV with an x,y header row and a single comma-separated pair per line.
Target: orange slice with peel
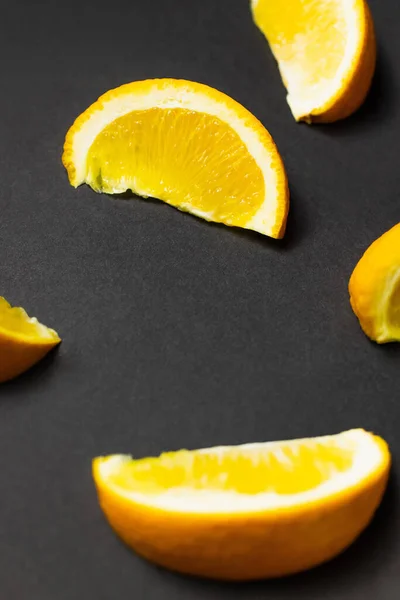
x,y
23,341
186,144
326,53
246,512
375,288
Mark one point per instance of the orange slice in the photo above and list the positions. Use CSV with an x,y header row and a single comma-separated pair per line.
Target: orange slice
x,y
23,341
246,512
326,53
186,144
375,288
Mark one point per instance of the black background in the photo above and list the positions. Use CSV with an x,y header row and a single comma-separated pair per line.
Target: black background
x,y
177,333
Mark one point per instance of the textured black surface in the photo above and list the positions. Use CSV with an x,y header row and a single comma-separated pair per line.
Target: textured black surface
x,y
178,333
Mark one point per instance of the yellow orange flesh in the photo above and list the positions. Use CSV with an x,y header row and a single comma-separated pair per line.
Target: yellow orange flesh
x,y
212,173
242,471
326,52
374,288
186,144
394,309
311,46
246,512
23,341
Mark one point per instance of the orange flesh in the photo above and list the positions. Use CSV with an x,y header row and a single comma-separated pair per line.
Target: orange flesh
x,y
308,39
15,321
290,470
394,308
191,160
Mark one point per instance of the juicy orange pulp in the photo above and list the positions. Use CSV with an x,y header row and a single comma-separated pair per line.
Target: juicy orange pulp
x,y
394,309
295,469
15,321
310,47
212,172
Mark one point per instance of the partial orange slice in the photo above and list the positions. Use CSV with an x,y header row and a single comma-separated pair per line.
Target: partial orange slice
x,y
23,341
186,144
375,288
246,512
326,53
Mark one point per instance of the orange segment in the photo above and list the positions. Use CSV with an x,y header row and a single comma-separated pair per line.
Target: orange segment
x,y
23,341
375,288
186,144
246,512
325,50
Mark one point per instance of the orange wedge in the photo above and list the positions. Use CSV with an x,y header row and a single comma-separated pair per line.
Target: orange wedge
x,y
375,288
326,53
186,144
246,512
23,341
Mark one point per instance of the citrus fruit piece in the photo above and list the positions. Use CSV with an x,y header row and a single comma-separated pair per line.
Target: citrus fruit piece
x,y
186,144
375,288
246,512
326,53
23,341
